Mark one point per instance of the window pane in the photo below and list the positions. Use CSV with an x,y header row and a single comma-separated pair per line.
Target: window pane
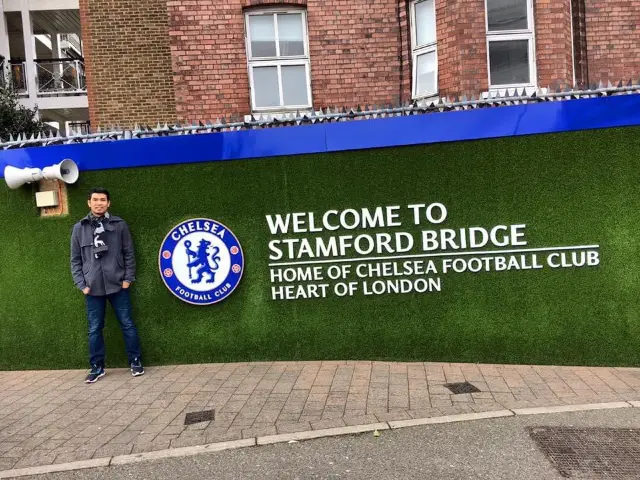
x,y
507,15
425,22
263,36
265,85
294,85
509,62
290,35
426,72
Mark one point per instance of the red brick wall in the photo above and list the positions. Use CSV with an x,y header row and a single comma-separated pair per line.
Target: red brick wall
x,y
209,59
613,40
447,18
128,63
187,59
405,53
581,63
554,60
355,49
360,53
470,40
462,49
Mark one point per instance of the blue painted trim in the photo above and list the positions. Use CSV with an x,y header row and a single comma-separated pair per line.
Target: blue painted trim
x,y
550,117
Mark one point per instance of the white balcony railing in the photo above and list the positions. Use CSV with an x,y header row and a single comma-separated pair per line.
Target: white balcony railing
x,y
53,77
18,77
59,76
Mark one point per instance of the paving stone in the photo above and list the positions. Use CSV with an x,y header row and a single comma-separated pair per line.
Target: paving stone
x,y
390,416
197,426
488,406
7,463
293,427
74,455
170,430
61,415
242,422
223,435
329,414
440,401
456,409
503,397
310,418
284,417
329,423
398,401
36,458
425,413
50,444
157,444
127,436
188,439
16,452
259,431
359,419
113,450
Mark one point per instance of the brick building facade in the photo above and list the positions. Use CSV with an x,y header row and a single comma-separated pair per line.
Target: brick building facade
x,y
168,60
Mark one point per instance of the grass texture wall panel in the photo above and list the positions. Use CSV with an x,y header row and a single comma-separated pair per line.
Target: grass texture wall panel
x,y
577,188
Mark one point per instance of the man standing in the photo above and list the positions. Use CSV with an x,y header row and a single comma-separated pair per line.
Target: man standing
x,y
103,266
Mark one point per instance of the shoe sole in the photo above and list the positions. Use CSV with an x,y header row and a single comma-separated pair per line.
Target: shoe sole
x,y
97,378
137,374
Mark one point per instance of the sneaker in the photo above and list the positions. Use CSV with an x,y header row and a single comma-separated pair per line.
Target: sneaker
x,y
136,368
95,373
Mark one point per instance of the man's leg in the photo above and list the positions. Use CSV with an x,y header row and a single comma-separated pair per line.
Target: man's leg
x,y
95,315
121,304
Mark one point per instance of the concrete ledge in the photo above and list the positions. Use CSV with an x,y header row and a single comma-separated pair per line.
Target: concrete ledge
x,y
570,408
450,418
327,432
634,403
61,467
182,452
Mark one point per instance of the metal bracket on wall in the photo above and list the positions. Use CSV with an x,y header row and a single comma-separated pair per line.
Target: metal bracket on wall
x,y
60,191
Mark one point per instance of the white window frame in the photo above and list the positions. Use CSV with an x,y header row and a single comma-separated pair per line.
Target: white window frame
x,y
509,35
417,50
298,60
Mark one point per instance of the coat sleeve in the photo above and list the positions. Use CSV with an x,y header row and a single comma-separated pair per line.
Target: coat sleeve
x,y
76,259
128,255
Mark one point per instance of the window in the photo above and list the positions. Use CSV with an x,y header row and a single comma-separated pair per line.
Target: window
x,y
510,44
425,57
278,54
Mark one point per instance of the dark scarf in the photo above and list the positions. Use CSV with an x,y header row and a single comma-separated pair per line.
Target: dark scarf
x,y
99,245
97,220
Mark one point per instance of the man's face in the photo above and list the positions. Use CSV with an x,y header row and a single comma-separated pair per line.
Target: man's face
x,y
98,204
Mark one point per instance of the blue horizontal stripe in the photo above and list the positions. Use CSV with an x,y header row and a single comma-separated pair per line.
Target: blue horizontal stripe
x,y
547,117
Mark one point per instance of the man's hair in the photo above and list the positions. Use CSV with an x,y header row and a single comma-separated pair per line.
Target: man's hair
x,y
99,190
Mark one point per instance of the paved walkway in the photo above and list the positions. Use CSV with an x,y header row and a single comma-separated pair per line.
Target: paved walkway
x,y
52,417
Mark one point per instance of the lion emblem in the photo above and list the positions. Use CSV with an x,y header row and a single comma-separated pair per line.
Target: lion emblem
x,y
202,261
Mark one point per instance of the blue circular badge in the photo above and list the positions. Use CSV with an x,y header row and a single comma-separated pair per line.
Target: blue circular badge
x,y
201,261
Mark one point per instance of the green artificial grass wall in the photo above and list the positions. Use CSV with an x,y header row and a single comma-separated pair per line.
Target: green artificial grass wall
x,y
577,188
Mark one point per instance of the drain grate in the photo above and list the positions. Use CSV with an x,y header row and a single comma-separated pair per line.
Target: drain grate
x,y
197,417
462,387
584,452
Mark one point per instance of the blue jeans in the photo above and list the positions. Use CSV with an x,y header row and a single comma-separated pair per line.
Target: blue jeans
x,y
96,306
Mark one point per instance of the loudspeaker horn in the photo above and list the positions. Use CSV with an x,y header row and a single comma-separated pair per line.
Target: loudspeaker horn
x,y
66,170
16,177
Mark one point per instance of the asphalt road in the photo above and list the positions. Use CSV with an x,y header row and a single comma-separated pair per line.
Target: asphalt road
x,y
483,449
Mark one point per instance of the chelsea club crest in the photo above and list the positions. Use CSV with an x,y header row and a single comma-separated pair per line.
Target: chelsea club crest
x,y
201,261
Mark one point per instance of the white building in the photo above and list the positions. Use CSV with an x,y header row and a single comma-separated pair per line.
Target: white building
x,y
41,45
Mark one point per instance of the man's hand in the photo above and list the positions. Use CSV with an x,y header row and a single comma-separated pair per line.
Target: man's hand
x,y
86,290
126,284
